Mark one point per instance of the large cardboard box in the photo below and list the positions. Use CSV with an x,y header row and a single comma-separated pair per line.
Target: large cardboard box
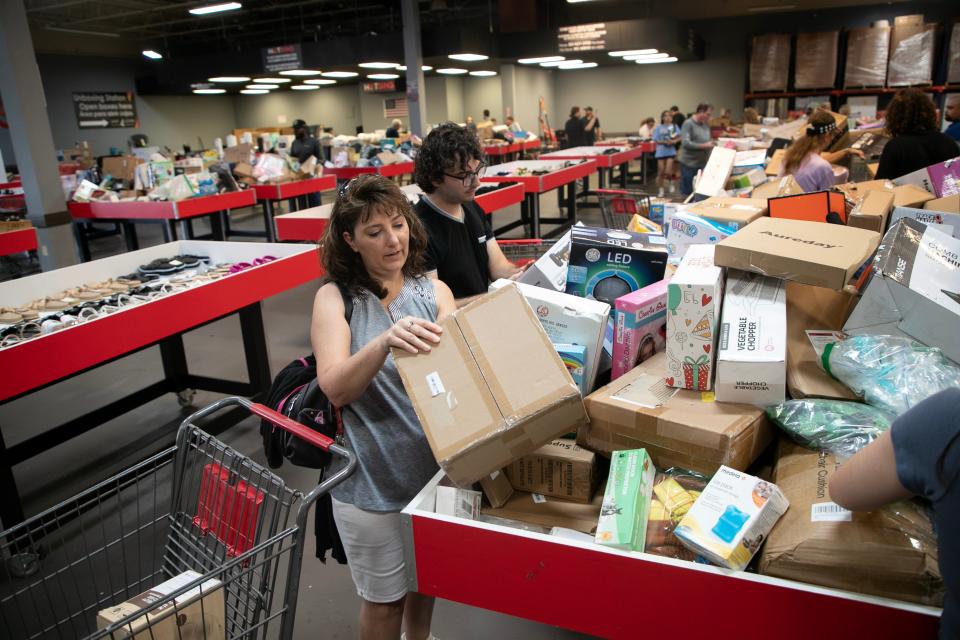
x,y
197,615
816,63
824,255
785,186
915,289
947,222
640,327
238,153
816,541
735,213
568,319
492,390
121,167
872,211
677,427
910,195
814,309
549,512
561,468
867,52
608,263
948,204
694,295
770,62
752,350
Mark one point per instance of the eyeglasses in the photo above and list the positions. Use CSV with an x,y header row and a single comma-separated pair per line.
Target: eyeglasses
x,y
469,177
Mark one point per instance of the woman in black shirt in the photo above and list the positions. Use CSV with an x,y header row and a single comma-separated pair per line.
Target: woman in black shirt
x,y
912,121
575,128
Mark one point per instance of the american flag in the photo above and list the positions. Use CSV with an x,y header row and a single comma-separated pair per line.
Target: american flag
x,y
394,107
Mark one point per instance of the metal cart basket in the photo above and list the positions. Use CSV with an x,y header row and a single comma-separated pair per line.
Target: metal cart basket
x,y
618,205
521,252
197,506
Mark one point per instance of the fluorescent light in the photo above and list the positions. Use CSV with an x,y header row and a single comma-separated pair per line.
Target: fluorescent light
x,y
153,55
320,81
304,87
451,71
425,67
253,92
632,52
272,80
209,92
656,60
560,62
468,57
300,72
339,74
229,79
382,76
378,65
765,9
215,8
541,59
483,74
263,86
649,56
579,65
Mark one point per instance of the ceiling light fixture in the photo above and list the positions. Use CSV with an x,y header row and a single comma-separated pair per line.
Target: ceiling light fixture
x,y
253,92
215,8
209,92
632,52
648,56
483,74
320,81
656,60
468,57
382,76
425,67
451,71
300,72
339,74
273,80
304,87
560,62
771,7
228,79
263,86
541,60
153,55
378,65
579,65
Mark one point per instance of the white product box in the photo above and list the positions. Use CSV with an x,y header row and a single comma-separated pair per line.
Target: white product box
x,y
550,269
731,518
569,319
752,350
717,172
945,221
454,501
687,229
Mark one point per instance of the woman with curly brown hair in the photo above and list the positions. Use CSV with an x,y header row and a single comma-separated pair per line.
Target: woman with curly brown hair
x,y
373,252
912,121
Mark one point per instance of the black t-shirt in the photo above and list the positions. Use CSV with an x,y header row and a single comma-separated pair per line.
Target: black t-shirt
x,y
576,136
591,135
678,119
907,153
303,149
392,133
458,250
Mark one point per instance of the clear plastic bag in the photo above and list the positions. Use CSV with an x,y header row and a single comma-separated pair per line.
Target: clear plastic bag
x,y
838,426
911,56
890,372
674,492
770,62
868,50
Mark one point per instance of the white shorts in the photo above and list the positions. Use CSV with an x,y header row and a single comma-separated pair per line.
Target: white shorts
x,y
374,546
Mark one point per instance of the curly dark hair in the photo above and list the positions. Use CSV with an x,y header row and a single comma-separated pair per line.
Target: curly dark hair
x,y
355,204
911,111
448,148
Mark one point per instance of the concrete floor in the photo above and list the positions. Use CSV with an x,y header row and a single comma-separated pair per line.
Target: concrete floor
x,y
328,601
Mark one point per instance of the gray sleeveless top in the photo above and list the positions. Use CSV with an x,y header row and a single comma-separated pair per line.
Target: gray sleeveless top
x,y
381,427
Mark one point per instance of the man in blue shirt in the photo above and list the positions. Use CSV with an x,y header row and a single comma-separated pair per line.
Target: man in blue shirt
x,y
952,116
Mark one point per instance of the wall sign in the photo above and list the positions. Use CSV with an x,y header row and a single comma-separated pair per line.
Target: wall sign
x,y
582,37
282,58
105,110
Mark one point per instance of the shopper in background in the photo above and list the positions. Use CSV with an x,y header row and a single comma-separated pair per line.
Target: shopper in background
x,y
574,128
803,160
394,130
918,456
486,119
952,116
305,145
911,119
695,146
591,127
461,248
512,125
374,247
751,116
666,136
470,124
646,128
677,116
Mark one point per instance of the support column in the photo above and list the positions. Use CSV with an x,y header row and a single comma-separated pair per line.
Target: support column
x,y
413,59
508,89
26,109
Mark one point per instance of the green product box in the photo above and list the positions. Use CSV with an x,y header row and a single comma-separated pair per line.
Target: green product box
x,y
626,501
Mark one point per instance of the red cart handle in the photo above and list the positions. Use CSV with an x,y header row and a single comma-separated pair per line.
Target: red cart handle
x,y
315,438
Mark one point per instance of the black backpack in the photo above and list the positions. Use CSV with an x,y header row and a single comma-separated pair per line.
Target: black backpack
x,y
295,393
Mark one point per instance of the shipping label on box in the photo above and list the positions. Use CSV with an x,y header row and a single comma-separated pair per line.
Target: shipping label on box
x,y
574,356
693,303
457,502
606,263
640,327
568,319
946,222
560,468
752,351
626,501
731,518
687,229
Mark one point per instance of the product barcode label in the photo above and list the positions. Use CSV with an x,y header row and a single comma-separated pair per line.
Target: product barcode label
x,y
537,498
434,384
829,512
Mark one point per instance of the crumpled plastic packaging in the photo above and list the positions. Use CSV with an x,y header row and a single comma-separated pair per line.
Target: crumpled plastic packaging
x,y
674,492
892,373
838,426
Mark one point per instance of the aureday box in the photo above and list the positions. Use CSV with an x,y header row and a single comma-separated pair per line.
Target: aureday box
x,y
626,501
694,295
568,319
608,263
732,518
752,350
640,327
688,229
945,221
492,389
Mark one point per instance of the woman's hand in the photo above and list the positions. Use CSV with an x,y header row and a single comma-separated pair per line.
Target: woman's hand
x,y
413,335
854,152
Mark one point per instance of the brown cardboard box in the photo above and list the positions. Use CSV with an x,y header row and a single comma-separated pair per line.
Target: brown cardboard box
x,y
914,20
121,167
238,153
867,52
560,468
196,616
816,61
824,255
14,225
243,170
733,212
949,204
890,552
910,195
873,211
550,512
872,169
813,308
683,429
953,58
776,163
492,390
855,191
786,186
388,157
497,488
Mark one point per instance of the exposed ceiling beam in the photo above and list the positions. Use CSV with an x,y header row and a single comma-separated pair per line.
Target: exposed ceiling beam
x,y
123,14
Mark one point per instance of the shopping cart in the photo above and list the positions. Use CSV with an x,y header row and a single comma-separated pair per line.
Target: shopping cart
x,y
618,206
197,506
525,251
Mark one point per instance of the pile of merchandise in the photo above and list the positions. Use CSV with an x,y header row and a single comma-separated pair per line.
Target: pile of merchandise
x,y
355,151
